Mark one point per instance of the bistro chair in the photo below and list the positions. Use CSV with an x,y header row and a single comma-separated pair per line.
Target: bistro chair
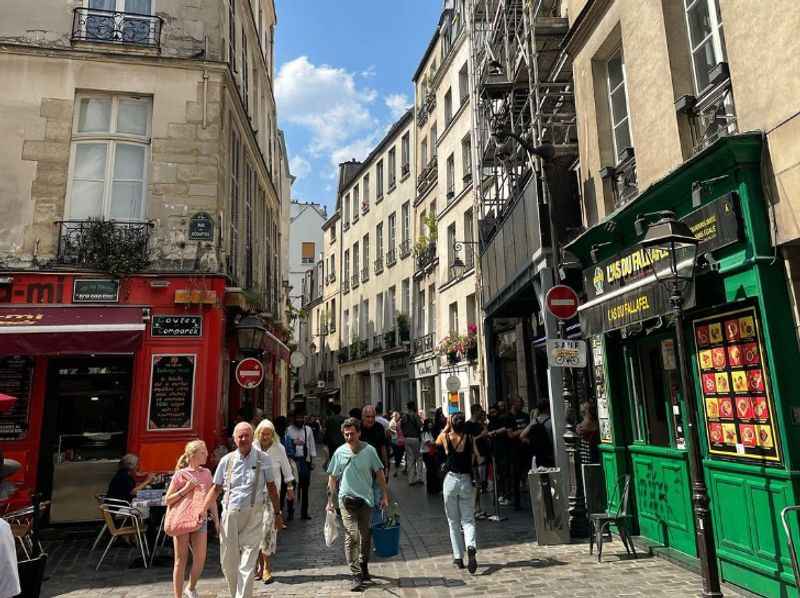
x,y
601,522
21,523
101,501
132,527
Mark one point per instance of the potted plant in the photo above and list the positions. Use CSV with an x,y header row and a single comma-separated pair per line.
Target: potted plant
x,y
420,246
452,346
403,327
471,343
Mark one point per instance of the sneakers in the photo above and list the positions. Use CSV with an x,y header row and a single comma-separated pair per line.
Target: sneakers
x,y
472,564
365,576
190,593
458,563
357,585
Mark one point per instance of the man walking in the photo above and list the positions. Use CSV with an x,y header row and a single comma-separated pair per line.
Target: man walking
x,y
521,460
412,429
245,475
301,437
353,467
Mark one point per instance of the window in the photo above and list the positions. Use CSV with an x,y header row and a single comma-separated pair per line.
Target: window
x,y
469,236
421,321
451,248
379,312
332,315
466,159
354,219
365,251
405,155
434,141
448,107
392,166
391,307
463,84
363,329
706,40
110,149
379,180
618,102
451,177
232,34
346,326
405,300
347,210
333,265
453,311
245,72
432,309
379,241
392,230
346,269
365,187
406,224
308,250
423,154
356,263
472,310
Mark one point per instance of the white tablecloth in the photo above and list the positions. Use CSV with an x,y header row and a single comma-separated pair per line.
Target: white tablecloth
x,y
9,575
144,504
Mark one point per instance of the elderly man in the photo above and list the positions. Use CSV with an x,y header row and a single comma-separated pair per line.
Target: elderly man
x,y
245,475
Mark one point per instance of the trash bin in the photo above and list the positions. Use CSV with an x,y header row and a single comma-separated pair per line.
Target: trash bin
x,y
549,506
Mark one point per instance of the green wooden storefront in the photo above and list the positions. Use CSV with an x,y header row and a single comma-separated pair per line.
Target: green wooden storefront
x,y
751,466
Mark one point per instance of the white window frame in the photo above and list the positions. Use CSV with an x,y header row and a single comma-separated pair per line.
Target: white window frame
x,y
624,86
716,38
112,139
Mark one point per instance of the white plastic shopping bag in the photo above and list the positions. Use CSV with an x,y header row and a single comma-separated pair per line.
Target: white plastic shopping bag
x,y
331,528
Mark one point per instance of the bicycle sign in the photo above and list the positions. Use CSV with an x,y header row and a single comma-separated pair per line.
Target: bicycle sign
x,y
566,354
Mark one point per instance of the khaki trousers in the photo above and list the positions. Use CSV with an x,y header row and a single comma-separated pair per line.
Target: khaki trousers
x,y
357,536
241,534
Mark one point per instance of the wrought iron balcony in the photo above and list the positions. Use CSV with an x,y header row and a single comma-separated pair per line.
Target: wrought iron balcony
x,y
391,257
389,339
713,114
623,178
365,274
427,256
354,282
428,177
405,249
377,343
323,330
104,244
108,26
345,285
379,265
331,277
423,344
405,169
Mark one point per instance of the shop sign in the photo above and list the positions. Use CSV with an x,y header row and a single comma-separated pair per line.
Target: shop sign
x,y
423,369
201,227
601,387
171,392
566,353
739,410
89,290
16,374
176,326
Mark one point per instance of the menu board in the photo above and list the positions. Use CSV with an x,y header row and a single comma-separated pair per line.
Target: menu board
x,y
16,374
171,392
600,387
740,415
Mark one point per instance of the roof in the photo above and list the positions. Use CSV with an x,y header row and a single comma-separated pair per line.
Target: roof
x,y
304,207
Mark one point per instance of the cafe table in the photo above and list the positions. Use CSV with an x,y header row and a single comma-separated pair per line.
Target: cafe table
x,y
153,507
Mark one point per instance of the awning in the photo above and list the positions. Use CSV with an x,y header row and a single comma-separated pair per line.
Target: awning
x,y
71,330
272,344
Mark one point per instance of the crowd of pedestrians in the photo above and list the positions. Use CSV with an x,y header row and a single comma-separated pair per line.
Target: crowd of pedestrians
x,y
269,469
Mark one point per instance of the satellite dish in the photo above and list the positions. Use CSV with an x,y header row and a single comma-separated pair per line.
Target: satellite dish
x,y
297,359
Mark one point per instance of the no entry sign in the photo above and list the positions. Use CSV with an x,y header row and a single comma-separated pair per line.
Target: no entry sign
x,y
249,373
562,302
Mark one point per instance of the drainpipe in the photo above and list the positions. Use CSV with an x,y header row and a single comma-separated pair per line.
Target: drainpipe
x,y
205,96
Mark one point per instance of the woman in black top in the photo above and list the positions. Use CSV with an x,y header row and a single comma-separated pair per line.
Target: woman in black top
x,y
123,484
459,495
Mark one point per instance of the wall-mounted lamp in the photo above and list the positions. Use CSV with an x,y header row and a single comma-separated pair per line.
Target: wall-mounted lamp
x,y
642,221
700,187
595,250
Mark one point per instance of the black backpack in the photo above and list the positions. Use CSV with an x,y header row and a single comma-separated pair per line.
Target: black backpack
x,y
542,444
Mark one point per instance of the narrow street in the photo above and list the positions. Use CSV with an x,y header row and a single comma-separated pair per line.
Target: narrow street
x,y
510,563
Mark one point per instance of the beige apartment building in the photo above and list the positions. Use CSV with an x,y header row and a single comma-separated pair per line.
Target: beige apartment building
x,y
446,244
375,203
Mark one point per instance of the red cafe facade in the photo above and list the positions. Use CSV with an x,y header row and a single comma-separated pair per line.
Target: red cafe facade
x,y
102,367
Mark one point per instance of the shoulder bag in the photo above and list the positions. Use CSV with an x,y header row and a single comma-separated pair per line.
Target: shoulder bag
x,y
186,515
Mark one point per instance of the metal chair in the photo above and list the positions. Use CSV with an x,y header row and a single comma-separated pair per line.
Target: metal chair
x,y
134,529
21,523
792,550
601,522
102,500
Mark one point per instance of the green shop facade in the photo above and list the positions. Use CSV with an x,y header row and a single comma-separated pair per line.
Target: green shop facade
x,y
743,361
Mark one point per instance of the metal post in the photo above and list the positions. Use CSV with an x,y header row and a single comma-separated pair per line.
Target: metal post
x,y
706,550
578,525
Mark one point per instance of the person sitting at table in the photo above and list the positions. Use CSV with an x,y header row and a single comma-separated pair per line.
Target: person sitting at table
x,y
123,485
190,477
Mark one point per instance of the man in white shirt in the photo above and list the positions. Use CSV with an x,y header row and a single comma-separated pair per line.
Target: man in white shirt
x,y
245,475
303,449
9,576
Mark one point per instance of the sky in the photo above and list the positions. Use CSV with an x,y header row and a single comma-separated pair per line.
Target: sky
x,y
343,76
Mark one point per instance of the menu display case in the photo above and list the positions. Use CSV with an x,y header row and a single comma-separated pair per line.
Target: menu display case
x,y
739,410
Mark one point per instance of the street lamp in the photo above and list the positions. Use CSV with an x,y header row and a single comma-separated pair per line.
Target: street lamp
x,y
671,248
457,266
250,332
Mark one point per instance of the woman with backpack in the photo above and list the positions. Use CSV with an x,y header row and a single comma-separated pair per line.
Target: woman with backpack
x,y
459,495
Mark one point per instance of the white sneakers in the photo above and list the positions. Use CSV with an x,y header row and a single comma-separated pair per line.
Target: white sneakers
x,y
190,593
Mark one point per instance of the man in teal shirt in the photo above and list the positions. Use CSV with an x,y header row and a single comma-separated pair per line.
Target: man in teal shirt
x,y
353,467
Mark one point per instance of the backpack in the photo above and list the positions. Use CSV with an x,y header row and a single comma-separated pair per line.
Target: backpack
x,y
542,444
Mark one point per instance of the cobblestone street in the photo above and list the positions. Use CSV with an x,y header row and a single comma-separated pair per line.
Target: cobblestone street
x,y
510,563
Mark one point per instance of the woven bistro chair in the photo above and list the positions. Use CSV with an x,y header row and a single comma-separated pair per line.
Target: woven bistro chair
x,y
101,501
21,524
132,527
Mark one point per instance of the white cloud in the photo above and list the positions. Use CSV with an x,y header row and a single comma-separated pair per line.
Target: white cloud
x,y
398,103
326,101
357,148
369,73
299,166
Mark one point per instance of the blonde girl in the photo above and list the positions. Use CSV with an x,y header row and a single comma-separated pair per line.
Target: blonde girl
x,y
266,440
191,476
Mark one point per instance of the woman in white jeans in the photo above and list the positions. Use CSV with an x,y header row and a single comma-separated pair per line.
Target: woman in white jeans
x,y
459,495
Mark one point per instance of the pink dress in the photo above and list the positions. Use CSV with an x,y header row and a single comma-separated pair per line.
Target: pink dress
x,y
204,479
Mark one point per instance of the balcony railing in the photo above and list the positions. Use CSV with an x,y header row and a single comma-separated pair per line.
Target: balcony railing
x,y
345,285
377,343
104,244
405,169
427,256
364,207
428,177
423,344
332,327
108,26
346,225
354,281
379,265
712,115
331,277
623,178
365,274
405,249
389,339
323,330
391,257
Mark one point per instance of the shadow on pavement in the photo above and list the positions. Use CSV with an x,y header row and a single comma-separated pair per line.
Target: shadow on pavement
x,y
528,564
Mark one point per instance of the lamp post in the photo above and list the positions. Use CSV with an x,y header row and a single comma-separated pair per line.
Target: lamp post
x,y
672,249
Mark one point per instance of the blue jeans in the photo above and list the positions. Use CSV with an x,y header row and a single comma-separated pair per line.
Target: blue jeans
x,y
459,506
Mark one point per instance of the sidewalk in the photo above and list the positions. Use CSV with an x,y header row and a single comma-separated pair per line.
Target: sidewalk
x,y
510,563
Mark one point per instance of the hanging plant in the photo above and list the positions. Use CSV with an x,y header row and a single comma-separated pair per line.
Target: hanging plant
x,y
119,248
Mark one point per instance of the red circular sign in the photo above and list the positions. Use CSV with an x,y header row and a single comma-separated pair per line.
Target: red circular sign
x,y
249,372
562,302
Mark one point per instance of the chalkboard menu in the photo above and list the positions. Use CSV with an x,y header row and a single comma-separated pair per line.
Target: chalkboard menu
x,y
171,392
16,374
740,415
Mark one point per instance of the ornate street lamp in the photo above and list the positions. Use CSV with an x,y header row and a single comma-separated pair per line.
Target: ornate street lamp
x,y
250,332
672,250
458,267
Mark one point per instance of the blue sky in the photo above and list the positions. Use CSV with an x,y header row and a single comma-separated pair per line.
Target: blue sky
x,y
343,75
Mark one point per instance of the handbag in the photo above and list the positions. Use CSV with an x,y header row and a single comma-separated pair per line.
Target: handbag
x,y
185,516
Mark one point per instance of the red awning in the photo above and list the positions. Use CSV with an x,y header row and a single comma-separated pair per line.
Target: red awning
x,y
57,330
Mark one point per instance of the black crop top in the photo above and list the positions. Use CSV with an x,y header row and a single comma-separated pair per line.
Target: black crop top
x,y
459,462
